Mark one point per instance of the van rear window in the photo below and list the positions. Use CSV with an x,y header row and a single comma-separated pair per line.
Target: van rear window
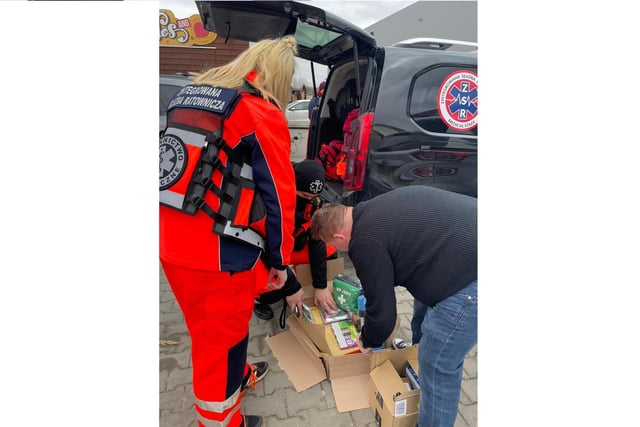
x,y
310,36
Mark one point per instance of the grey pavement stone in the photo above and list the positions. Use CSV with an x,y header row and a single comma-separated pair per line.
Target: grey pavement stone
x,y
328,392
276,380
179,377
467,415
174,343
177,419
272,405
363,417
312,398
469,392
179,399
164,375
168,364
313,418
470,367
175,328
172,316
166,305
183,358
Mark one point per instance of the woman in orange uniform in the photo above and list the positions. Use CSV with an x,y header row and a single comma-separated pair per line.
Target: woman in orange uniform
x,y
227,195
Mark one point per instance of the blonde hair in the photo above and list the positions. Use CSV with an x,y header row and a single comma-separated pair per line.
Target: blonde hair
x,y
327,221
273,61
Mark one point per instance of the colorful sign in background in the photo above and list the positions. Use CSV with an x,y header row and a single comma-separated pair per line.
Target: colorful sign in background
x,y
183,32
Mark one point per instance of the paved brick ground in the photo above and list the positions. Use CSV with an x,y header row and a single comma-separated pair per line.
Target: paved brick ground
x,y
275,398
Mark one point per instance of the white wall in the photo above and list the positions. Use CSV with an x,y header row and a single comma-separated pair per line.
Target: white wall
x,y
456,20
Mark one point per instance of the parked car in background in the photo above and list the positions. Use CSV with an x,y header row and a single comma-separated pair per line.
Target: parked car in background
x,y
401,115
169,85
297,114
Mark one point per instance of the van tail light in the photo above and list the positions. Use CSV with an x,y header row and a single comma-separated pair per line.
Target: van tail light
x,y
356,148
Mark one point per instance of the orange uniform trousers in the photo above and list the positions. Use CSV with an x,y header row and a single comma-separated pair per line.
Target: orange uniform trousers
x,y
217,308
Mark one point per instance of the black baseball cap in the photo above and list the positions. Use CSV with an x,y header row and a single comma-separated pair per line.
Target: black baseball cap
x,y
309,176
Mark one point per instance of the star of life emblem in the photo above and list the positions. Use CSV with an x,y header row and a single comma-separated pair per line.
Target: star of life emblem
x,y
316,186
458,100
173,160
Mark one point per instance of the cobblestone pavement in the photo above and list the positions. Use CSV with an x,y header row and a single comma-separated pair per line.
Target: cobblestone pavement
x,y
275,397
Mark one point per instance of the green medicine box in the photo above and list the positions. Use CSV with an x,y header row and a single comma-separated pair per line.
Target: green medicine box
x,y
346,291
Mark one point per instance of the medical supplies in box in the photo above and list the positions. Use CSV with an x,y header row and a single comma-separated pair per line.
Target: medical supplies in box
x,y
392,402
308,352
346,291
346,334
336,317
306,313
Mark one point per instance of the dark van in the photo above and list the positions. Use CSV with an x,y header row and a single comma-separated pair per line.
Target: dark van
x,y
410,109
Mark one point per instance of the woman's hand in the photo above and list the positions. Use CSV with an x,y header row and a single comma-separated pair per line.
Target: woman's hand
x,y
295,300
276,279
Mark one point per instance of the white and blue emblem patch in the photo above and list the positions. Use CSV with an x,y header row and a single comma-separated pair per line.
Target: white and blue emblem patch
x,y
173,160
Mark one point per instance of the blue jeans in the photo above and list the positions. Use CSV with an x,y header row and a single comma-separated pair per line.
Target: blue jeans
x,y
449,332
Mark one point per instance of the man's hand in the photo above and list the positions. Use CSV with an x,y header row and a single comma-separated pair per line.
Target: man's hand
x,y
276,279
362,349
324,298
295,300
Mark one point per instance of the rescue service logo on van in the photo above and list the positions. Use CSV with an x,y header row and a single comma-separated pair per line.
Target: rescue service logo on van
x,y
173,160
458,100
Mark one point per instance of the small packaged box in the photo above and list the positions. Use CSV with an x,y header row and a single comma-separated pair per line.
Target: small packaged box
x,y
412,376
330,318
345,333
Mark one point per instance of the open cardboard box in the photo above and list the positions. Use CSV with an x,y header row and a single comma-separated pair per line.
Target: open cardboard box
x,y
309,353
391,398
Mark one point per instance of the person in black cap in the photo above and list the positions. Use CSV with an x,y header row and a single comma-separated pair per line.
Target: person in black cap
x,y
310,181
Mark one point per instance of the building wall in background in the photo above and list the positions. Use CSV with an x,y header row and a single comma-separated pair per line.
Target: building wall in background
x,y
457,20
199,58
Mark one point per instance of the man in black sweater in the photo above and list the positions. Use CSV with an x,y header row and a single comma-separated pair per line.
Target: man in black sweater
x,y
424,239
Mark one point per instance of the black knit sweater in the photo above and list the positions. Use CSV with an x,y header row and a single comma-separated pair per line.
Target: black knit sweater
x,y
419,237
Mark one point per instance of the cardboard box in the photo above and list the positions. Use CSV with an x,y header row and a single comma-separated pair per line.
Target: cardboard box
x,y
321,333
393,404
303,273
309,353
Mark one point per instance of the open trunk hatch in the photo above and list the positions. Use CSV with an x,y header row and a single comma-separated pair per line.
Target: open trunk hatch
x,y
321,36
